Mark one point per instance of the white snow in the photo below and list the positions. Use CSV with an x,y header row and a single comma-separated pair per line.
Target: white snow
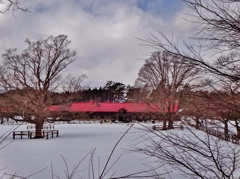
x,y
27,156
24,157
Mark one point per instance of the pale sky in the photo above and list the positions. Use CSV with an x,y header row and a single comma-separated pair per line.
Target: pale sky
x,y
103,32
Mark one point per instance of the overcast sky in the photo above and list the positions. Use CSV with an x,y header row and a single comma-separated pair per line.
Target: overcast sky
x,y
103,32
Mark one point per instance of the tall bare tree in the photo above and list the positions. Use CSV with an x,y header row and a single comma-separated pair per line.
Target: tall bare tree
x,y
164,76
30,78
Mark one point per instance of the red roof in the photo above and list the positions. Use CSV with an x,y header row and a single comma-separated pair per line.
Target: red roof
x,y
115,107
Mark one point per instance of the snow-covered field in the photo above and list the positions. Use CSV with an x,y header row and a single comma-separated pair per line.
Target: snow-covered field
x,y
88,145
24,157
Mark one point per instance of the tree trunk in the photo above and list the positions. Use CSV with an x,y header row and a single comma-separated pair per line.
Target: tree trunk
x,y
237,128
164,124
238,132
170,121
226,129
39,127
197,123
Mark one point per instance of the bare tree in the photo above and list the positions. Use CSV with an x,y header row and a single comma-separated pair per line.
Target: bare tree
x,y
31,77
217,22
164,76
217,27
12,5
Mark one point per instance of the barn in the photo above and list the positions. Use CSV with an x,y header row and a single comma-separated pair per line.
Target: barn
x,y
124,112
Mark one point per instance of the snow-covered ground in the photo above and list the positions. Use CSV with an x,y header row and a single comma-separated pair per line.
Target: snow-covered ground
x,y
75,144
25,156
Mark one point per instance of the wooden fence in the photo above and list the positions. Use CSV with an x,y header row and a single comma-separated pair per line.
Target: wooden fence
x,y
221,135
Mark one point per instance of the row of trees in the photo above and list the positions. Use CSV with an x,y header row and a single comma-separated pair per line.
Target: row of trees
x,y
111,92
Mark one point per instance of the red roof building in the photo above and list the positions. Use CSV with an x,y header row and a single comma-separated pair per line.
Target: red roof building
x,y
119,111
